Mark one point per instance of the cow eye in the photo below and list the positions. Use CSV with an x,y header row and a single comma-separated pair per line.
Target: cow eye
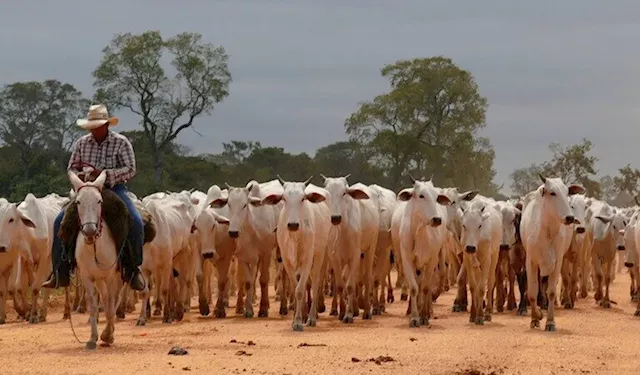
x,y
553,194
422,196
11,220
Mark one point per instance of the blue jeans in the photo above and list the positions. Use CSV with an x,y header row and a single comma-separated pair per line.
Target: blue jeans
x,y
136,237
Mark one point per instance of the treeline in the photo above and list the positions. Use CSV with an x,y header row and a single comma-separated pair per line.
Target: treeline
x,y
425,125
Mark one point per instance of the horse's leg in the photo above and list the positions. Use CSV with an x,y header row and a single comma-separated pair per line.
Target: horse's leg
x,y
112,299
121,308
92,299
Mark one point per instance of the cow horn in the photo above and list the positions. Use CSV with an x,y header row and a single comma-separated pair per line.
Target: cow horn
x,y
637,201
323,176
413,180
543,178
307,181
280,179
347,176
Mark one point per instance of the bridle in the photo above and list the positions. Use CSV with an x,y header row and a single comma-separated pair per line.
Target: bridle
x,y
100,221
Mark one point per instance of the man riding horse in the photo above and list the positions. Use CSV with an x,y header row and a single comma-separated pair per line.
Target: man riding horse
x,y
102,150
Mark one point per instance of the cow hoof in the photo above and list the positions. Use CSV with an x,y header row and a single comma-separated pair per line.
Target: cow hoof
x,y
446,288
157,312
34,319
487,318
348,319
511,306
277,299
91,345
568,305
637,313
284,311
141,322
424,322
263,314
333,313
414,323
248,314
376,311
106,338
81,310
550,327
522,312
605,304
297,326
583,294
634,299
366,315
311,322
239,311
2,321
356,313
404,297
390,299
500,309
66,316
167,320
322,308
204,310
456,308
535,324
220,313
471,318
120,314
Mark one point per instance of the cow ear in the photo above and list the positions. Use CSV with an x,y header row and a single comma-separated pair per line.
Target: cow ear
x,y
222,220
576,189
218,203
405,194
272,199
443,200
356,193
255,201
315,197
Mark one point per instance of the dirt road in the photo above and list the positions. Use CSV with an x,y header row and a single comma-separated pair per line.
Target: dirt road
x,y
589,340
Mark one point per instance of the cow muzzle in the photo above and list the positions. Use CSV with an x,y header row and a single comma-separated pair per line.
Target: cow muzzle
x,y
504,247
436,221
628,264
234,234
293,227
621,248
580,230
470,249
336,219
207,255
568,220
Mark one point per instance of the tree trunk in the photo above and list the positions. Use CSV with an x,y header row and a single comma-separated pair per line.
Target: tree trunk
x,y
158,166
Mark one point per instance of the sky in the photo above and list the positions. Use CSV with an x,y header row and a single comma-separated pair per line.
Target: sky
x,y
552,71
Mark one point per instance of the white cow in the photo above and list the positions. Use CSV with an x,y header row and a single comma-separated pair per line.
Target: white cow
x,y
481,239
212,226
253,225
417,231
631,236
7,282
606,237
303,233
28,229
355,218
546,229
575,256
169,250
386,202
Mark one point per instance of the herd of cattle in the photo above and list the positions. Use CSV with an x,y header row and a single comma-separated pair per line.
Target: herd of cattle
x,y
338,239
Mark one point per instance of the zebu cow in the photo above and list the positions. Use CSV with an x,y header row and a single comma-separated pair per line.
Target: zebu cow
x,y
253,225
96,256
212,227
572,258
303,233
504,270
605,233
417,231
356,220
7,261
386,202
546,229
28,229
167,254
481,237
632,258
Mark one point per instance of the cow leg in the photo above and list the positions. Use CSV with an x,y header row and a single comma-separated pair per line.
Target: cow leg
x,y
3,297
585,270
489,277
351,281
566,280
511,299
284,294
500,291
144,305
574,282
203,299
522,287
635,269
249,282
222,269
334,293
265,263
165,281
608,268
532,293
552,286
597,269
460,303
323,275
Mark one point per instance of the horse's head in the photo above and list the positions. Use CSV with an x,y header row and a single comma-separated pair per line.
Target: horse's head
x,y
88,200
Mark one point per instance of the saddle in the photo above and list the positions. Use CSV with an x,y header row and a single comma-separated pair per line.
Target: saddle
x,y
116,217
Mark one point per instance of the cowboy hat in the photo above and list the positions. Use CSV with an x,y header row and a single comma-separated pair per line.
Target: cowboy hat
x,y
97,116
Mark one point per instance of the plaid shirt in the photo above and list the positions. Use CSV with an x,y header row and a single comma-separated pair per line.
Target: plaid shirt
x,y
115,156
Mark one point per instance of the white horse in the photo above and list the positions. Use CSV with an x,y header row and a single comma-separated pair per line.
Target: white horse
x,y
96,256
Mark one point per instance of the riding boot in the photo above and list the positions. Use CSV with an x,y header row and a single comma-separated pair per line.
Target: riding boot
x,y
60,276
136,280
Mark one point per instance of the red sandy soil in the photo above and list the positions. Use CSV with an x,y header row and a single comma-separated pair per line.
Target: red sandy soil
x,y
589,340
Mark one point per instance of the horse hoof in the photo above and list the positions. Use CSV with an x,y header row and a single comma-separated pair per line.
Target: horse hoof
x,y
284,311
91,345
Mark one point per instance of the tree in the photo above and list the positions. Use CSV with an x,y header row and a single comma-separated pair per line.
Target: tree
x,y
347,158
37,118
131,75
573,164
628,180
608,190
427,120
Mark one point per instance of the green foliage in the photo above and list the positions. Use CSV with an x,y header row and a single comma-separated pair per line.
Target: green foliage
x,y
131,76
